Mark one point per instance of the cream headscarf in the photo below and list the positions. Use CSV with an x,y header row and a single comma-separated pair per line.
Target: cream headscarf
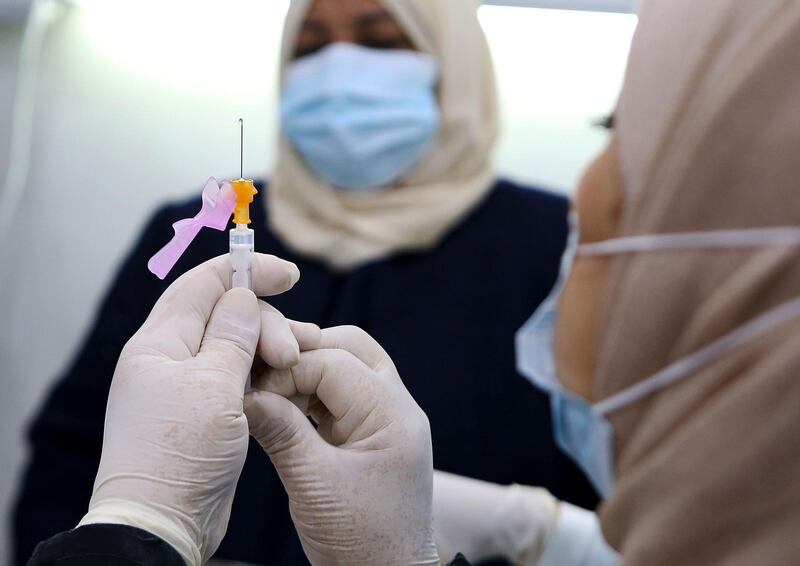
x,y
345,230
709,133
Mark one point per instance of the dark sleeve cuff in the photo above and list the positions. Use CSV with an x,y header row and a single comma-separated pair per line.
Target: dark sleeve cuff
x,y
107,545
459,560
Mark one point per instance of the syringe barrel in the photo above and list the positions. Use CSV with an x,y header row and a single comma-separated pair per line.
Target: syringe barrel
x,y
242,245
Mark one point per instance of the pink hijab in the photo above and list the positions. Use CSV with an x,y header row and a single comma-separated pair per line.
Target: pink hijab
x,y
709,130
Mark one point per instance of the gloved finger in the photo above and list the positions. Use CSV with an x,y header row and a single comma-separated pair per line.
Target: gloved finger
x,y
301,402
232,334
275,380
325,421
176,325
360,344
343,383
277,344
288,391
316,409
308,335
281,382
281,429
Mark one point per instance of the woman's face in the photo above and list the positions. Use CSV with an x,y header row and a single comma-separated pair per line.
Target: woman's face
x,y
599,207
363,22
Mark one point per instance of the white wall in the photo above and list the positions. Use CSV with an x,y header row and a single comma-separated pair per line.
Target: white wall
x,y
558,71
134,110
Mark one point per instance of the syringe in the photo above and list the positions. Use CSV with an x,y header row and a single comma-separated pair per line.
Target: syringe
x,y
242,246
242,238
218,203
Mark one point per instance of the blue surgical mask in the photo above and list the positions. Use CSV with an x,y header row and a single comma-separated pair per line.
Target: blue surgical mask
x,y
582,430
361,118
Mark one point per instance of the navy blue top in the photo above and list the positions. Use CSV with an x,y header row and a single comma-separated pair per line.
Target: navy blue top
x,y
447,317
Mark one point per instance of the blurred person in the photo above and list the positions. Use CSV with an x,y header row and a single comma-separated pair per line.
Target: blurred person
x,y
670,347
384,195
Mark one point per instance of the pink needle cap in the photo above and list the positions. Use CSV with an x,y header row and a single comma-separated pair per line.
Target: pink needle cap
x,y
218,205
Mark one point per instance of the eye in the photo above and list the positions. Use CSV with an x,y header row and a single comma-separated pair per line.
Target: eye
x,y
309,49
386,43
314,35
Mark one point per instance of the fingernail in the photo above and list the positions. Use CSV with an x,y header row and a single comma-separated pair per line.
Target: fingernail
x,y
294,274
291,356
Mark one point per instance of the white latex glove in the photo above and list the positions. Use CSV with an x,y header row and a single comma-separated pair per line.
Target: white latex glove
x,y
523,525
175,436
483,520
359,486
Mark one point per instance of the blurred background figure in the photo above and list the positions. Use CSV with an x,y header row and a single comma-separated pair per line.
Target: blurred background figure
x,y
410,234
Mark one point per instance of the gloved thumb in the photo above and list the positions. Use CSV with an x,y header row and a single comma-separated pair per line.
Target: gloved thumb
x,y
232,333
283,431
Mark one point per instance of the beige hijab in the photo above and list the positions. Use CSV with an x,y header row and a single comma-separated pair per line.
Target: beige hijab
x,y
348,230
709,132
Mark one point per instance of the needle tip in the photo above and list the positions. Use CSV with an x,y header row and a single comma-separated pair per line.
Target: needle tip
x,y
241,149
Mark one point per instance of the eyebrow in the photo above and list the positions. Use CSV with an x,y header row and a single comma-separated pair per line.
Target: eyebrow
x,y
375,17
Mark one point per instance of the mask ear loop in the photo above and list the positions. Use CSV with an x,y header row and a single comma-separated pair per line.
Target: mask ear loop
x,y
685,367
722,239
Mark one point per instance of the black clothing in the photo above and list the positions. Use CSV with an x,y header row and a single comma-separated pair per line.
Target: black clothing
x,y
105,545
116,545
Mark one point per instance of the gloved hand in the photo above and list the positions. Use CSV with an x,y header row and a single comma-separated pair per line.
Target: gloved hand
x,y
484,520
523,525
175,436
359,485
